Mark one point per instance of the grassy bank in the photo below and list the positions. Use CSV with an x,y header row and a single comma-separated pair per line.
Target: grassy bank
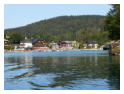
x,y
116,51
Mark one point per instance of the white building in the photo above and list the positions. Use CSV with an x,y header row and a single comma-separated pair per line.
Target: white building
x,y
26,43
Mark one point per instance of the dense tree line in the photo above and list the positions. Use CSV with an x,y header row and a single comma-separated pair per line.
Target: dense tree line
x,y
80,28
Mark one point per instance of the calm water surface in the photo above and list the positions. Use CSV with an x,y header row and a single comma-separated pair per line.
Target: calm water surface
x,y
67,70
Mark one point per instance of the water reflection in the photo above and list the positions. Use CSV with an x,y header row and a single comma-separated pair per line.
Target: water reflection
x,y
114,69
86,72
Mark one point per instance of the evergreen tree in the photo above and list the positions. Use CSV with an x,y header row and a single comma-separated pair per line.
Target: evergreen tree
x,y
112,22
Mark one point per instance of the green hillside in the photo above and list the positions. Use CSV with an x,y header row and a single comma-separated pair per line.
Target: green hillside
x,y
81,28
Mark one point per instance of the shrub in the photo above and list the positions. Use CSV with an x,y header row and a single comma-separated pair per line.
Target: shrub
x,y
8,47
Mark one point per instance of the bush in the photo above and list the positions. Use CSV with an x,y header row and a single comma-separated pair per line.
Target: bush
x,y
116,50
9,47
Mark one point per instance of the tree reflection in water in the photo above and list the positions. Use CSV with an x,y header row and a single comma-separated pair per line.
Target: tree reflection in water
x,y
87,72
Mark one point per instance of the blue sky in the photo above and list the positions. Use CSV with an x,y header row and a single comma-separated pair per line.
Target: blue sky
x,y
16,15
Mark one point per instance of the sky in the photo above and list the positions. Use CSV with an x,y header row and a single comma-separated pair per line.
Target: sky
x,y
16,15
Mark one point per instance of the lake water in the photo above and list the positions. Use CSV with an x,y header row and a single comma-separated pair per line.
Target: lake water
x,y
66,70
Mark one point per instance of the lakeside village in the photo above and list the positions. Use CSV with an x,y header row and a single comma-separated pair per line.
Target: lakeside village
x,y
35,44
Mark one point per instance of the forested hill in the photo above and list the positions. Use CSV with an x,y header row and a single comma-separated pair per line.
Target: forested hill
x,y
62,28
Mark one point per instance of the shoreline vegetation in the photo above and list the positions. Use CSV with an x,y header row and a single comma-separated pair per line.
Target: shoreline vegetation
x,y
115,51
113,48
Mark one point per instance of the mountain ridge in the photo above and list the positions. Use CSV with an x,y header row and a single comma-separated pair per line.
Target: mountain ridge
x,y
61,27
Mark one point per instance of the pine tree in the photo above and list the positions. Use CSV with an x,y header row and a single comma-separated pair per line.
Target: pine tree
x,y
112,22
